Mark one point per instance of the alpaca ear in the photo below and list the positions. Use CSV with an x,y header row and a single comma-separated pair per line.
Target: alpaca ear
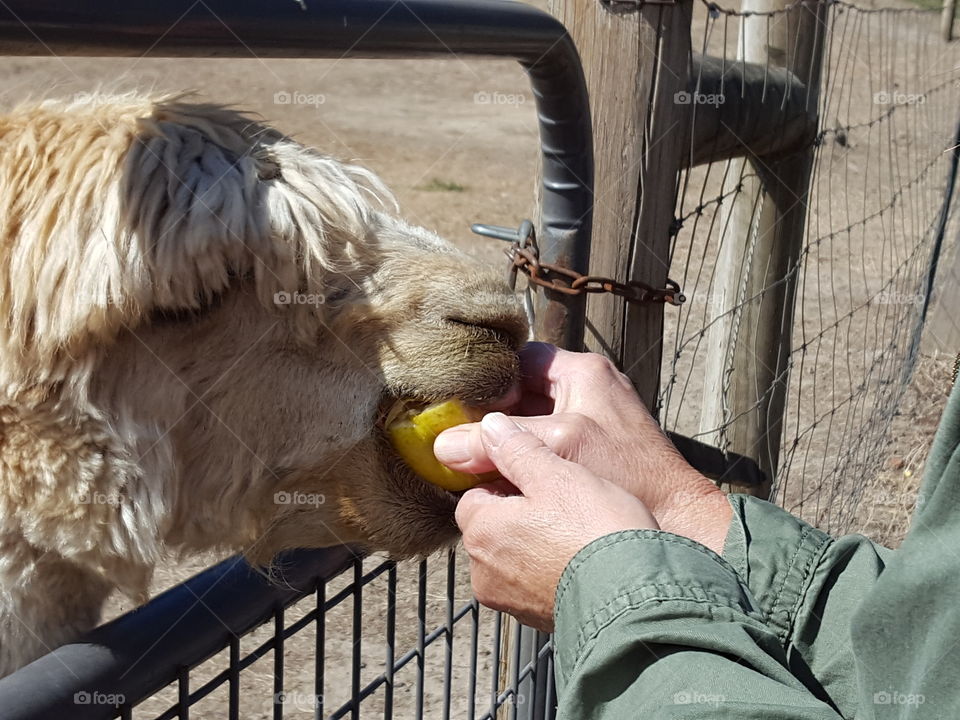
x,y
196,215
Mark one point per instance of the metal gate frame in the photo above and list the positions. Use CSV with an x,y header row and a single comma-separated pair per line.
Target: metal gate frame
x,y
174,633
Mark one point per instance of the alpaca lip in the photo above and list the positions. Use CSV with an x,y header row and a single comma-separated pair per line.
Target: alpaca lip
x,y
391,407
505,402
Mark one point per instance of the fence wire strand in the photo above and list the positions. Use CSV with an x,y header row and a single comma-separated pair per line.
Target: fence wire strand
x,y
888,111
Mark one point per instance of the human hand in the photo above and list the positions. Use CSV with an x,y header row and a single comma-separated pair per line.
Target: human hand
x,y
587,412
519,545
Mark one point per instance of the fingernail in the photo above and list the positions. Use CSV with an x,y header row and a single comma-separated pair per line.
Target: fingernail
x,y
497,427
453,445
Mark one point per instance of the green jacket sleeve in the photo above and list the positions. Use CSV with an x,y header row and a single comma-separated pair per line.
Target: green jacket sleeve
x,y
651,625
790,623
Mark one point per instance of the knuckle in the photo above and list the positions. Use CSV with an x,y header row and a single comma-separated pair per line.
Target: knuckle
x,y
565,433
519,446
596,364
465,512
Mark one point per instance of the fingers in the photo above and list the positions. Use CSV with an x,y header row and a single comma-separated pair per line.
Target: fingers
x,y
520,456
572,380
476,500
461,448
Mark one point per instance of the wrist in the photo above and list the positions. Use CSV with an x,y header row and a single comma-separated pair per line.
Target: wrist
x,y
697,510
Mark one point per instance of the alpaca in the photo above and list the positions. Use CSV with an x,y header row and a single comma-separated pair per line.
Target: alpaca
x,y
203,324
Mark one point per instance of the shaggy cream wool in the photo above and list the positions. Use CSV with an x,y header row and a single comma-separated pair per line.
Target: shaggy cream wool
x,y
201,322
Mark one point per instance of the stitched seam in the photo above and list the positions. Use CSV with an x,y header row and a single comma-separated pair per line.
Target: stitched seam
x,y
774,611
583,641
815,559
623,536
666,593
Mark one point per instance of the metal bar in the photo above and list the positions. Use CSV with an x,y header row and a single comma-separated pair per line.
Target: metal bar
x,y
233,707
357,637
143,651
421,629
474,648
515,680
373,28
183,694
495,664
391,642
550,702
448,628
319,658
278,684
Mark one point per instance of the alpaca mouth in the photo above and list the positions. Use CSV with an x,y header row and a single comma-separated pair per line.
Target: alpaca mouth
x,y
391,407
417,458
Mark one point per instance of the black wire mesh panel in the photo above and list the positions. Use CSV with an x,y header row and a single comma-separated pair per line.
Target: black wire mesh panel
x,y
372,639
324,634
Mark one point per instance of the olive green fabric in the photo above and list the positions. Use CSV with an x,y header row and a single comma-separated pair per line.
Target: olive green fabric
x,y
790,623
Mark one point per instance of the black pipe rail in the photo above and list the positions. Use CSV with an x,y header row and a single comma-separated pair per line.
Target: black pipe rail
x,y
142,651
363,28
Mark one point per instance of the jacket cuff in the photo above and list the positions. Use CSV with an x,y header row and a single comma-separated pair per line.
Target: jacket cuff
x,y
776,554
625,571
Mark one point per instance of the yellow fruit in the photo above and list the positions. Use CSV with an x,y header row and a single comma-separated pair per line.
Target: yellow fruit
x,y
412,433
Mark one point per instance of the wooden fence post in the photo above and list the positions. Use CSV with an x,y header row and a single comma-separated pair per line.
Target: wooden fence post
x,y
946,19
635,58
762,229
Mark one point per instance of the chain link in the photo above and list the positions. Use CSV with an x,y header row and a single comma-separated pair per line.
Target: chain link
x,y
524,255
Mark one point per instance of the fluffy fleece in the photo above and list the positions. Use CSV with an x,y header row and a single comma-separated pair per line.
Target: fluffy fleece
x,y
202,321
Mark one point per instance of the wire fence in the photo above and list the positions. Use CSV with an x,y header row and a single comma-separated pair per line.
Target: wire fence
x,y
370,639
889,104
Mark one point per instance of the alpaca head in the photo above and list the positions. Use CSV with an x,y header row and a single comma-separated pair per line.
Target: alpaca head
x,y
204,322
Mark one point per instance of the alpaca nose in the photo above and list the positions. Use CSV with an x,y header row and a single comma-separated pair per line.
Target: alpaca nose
x,y
497,313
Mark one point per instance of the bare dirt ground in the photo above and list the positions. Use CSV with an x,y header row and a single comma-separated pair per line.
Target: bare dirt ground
x,y
456,140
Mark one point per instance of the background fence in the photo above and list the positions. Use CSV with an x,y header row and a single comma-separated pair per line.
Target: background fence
x,y
875,216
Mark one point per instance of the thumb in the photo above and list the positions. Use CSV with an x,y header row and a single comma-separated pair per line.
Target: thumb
x,y
520,456
461,447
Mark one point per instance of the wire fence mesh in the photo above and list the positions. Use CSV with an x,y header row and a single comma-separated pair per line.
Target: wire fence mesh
x,y
888,109
370,638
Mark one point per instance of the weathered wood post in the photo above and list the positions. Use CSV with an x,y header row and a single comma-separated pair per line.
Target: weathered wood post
x,y
636,59
752,308
946,19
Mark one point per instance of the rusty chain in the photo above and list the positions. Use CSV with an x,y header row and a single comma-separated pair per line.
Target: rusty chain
x,y
524,256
